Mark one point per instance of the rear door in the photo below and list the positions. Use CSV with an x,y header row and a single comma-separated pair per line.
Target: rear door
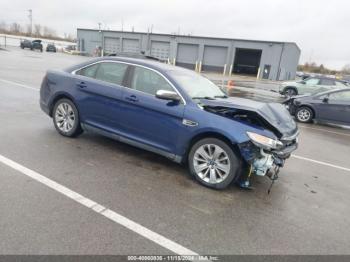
x,y
99,88
336,108
147,119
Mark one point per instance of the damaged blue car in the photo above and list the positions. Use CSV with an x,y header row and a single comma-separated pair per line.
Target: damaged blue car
x,y
173,112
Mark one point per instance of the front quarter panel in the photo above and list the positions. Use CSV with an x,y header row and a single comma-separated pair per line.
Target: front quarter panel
x,y
207,122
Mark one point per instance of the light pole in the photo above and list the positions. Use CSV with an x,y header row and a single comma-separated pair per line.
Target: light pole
x,y
30,16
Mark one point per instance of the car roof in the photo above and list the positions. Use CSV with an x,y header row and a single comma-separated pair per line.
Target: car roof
x,y
153,64
325,77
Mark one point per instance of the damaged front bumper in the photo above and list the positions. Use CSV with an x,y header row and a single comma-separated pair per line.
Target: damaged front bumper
x,y
266,162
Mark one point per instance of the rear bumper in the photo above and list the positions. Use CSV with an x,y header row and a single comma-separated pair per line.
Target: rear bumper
x,y
45,108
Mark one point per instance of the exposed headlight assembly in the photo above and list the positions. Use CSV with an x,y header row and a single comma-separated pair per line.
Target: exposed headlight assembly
x,y
264,141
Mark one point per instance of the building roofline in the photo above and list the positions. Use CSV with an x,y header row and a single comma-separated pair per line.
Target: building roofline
x,y
193,36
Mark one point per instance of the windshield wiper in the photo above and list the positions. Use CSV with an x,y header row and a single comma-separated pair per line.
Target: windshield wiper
x,y
224,96
203,97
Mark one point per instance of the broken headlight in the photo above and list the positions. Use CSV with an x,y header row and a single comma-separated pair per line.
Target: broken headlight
x,y
264,141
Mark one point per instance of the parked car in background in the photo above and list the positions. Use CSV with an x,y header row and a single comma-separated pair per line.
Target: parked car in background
x,y
310,85
26,44
51,48
69,48
32,45
173,112
36,44
330,106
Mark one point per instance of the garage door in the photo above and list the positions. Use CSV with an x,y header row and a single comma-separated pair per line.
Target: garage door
x,y
112,45
214,58
131,45
160,49
247,61
187,55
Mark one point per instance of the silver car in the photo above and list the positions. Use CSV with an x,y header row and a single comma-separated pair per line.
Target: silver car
x,y
311,85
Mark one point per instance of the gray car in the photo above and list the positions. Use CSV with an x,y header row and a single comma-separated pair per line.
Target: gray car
x,y
331,106
311,85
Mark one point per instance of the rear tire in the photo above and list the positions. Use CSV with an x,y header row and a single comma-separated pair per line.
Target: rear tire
x,y
213,163
304,114
66,118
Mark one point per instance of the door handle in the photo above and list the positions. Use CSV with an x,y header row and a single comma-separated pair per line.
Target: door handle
x,y
131,98
81,84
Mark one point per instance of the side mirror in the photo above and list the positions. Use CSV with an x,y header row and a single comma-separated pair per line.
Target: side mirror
x,y
303,82
325,99
168,95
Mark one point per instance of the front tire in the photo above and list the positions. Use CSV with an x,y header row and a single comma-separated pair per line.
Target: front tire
x,y
66,118
304,114
289,91
213,163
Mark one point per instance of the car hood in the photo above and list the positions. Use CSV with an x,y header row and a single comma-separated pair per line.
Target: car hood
x,y
275,114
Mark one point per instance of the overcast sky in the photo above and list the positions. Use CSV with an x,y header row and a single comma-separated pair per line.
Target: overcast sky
x,y
319,27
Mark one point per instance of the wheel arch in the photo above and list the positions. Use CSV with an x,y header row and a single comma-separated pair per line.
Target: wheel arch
x,y
290,87
58,97
210,134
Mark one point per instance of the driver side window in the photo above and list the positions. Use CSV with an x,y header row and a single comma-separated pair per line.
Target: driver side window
x,y
340,96
148,81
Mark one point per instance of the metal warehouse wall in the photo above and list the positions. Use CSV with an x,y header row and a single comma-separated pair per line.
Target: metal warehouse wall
x,y
278,60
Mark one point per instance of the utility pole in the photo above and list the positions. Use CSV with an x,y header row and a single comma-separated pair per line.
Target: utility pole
x,y
99,26
30,16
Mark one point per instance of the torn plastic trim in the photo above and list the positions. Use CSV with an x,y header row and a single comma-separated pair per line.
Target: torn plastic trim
x,y
264,161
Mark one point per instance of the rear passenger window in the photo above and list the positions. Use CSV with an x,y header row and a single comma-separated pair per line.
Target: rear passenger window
x,y
111,72
89,71
148,81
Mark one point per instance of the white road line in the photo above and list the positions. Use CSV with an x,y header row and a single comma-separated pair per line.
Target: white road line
x,y
321,163
117,218
19,84
325,130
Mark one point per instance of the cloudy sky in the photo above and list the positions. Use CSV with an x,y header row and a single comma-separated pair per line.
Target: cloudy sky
x,y
319,27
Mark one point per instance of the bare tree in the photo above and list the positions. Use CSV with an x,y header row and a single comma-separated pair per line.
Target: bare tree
x,y
15,28
37,30
3,27
28,30
346,69
48,32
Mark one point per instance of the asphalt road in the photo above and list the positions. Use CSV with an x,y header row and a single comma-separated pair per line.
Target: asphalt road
x,y
307,211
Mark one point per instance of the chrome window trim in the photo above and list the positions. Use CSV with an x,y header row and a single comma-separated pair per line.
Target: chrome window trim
x,y
128,63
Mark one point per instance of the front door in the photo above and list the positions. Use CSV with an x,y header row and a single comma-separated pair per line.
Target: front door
x,y
335,108
146,119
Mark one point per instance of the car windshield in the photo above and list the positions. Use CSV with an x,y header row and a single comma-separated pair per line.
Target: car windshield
x,y
197,86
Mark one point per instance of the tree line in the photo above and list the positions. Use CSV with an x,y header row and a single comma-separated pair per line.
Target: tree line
x,y
321,69
38,31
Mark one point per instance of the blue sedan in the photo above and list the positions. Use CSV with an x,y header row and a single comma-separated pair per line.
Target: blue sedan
x,y
174,112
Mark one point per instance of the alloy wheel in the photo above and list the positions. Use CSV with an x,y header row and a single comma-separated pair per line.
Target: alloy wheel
x,y
211,163
65,117
304,115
